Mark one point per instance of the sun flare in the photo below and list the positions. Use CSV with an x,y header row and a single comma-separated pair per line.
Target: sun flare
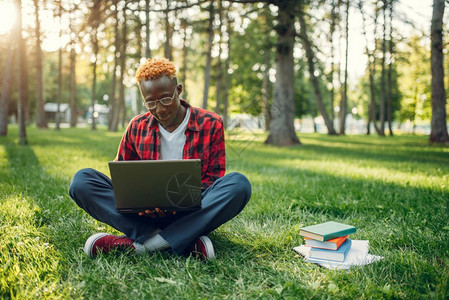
x,y
8,16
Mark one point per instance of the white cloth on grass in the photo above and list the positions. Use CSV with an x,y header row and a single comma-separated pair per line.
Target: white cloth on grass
x,y
357,256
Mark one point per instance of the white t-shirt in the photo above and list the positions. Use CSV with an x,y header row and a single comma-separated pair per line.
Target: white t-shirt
x,y
172,143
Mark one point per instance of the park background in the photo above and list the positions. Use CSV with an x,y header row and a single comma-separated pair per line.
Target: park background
x,y
280,73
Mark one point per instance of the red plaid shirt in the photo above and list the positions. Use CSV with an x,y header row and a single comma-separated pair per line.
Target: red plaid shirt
x,y
204,140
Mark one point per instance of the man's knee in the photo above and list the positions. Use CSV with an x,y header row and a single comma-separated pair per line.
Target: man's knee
x,y
78,185
242,186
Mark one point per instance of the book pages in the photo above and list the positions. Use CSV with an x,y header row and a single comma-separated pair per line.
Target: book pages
x,y
357,256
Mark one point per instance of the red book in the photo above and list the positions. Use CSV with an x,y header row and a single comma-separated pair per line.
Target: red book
x,y
332,244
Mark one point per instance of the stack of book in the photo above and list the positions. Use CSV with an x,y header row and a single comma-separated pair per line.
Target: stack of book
x,y
328,241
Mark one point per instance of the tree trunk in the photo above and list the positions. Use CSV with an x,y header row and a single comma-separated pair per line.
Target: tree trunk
x,y
124,43
147,29
390,71
332,53
6,87
371,71
219,74
282,129
315,82
58,110
438,131
382,75
113,103
208,54
227,79
41,121
73,108
183,75
168,51
266,79
94,76
344,98
22,78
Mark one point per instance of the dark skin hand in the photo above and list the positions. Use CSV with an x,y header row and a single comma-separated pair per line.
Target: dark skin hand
x,y
156,213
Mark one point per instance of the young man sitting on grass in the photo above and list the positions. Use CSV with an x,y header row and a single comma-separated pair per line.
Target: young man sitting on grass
x,y
171,129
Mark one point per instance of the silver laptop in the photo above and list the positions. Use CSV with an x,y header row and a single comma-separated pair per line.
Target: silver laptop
x,y
171,185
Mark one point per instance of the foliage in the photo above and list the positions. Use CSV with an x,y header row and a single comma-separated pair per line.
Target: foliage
x,y
393,189
415,81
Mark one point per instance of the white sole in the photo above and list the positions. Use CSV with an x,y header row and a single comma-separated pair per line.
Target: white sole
x,y
91,241
209,246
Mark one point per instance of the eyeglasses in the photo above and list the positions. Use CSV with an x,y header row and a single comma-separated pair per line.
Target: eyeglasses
x,y
164,101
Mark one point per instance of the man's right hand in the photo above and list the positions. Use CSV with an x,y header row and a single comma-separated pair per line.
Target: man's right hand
x,y
156,213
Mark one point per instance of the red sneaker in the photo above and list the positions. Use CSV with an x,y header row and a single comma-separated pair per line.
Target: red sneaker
x,y
202,248
104,243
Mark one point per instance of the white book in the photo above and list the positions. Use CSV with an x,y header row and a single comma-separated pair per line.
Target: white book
x,y
357,256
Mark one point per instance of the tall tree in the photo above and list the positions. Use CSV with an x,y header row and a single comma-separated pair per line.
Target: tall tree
x,y
383,69
94,22
22,78
6,86
40,118
344,97
147,29
313,78
113,103
210,33
219,65
72,79
185,49
333,24
282,129
390,70
124,44
227,63
168,49
58,109
438,133
371,68
267,65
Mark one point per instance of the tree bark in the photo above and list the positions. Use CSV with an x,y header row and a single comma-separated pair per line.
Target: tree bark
x,y
58,110
390,71
73,106
183,75
332,53
121,108
382,74
315,83
282,129
147,29
227,79
94,76
168,51
219,66
22,78
41,121
438,131
371,71
266,79
208,54
344,98
6,87
113,103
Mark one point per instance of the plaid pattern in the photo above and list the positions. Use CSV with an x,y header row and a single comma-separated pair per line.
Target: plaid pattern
x,y
204,140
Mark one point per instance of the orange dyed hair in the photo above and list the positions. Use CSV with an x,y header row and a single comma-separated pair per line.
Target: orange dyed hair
x,y
156,68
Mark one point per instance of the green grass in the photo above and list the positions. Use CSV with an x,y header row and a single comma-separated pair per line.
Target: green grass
x,y
394,189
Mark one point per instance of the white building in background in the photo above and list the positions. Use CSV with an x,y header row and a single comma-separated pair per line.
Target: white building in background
x,y
51,110
100,113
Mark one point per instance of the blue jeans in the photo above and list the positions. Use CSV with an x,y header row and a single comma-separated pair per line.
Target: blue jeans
x,y
223,200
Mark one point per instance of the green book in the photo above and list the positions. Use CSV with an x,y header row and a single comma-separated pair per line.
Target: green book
x,y
326,231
